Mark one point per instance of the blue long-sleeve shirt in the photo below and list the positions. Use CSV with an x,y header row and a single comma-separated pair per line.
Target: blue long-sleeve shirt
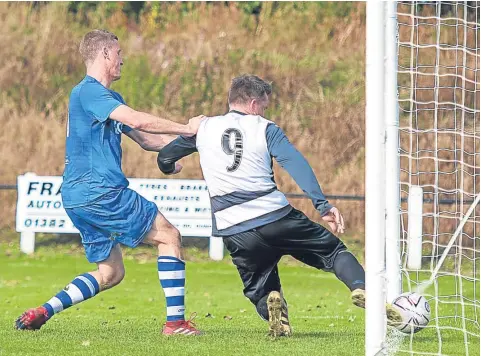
x,y
297,166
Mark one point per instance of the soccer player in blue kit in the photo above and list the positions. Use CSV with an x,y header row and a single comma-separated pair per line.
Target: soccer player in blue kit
x,y
95,191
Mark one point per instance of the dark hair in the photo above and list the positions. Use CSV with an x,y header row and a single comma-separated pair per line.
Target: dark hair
x,y
248,87
94,41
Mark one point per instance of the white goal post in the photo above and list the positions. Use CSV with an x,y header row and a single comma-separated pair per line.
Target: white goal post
x,y
423,172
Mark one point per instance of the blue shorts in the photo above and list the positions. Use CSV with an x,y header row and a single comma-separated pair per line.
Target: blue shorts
x,y
121,216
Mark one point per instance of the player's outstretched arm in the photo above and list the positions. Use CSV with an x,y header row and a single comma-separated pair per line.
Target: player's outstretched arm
x,y
101,104
297,166
170,154
151,142
142,121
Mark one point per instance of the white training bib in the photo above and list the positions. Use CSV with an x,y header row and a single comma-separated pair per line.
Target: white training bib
x,y
237,168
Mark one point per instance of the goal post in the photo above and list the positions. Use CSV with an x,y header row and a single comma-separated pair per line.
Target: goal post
x,y
391,117
423,177
375,180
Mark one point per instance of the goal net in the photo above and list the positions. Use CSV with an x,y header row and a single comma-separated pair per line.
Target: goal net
x,y
423,172
438,83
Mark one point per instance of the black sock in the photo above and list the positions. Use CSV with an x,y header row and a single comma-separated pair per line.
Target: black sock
x,y
261,307
349,271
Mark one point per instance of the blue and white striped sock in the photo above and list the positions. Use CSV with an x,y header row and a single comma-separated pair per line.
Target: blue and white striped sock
x,y
172,280
81,288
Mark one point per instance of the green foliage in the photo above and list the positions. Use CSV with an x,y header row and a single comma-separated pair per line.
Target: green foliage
x,y
88,11
82,6
196,89
140,87
344,74
161,12
250,7
334,9
82,9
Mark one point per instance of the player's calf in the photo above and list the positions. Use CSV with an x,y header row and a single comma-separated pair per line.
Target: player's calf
x,y
348,270
110,272
83,287
171,272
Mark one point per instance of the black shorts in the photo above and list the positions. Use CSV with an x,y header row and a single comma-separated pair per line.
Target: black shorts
x,y
256,252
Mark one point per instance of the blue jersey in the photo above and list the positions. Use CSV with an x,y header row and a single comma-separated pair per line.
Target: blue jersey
x,y
93,155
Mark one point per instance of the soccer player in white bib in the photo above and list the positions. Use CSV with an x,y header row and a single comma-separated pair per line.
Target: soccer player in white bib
x,y
257,223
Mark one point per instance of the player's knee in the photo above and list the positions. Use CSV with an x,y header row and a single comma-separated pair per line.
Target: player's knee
x,y
119,275
112,277
170,236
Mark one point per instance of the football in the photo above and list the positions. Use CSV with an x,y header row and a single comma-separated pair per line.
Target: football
x,y
415,312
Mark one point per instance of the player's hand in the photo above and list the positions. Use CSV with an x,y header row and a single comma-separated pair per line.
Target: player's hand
x,y
335,220
193,125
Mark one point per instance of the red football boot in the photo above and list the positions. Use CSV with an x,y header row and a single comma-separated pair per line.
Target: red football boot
x,y
181,327
32,319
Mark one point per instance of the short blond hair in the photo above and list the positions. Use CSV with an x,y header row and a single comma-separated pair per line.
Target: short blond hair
x,y
93,42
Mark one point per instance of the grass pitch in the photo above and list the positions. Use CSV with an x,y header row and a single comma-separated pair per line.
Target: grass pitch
x,y
127,319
